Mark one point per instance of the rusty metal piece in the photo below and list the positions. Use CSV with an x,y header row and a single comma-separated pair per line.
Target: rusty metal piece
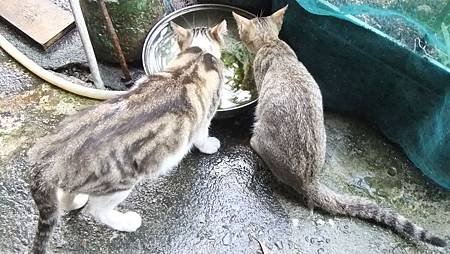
x,y
116,42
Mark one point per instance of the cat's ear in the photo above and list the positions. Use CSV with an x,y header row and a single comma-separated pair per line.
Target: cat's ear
x,y
243,23
277,17
180,32
219,30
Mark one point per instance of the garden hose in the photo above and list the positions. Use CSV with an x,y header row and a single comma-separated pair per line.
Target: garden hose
x,y
54,79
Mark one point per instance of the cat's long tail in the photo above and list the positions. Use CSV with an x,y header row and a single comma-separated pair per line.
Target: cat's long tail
x,y
334,203
45,197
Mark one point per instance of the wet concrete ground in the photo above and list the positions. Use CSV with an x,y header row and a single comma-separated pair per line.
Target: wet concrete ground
x,y
217,203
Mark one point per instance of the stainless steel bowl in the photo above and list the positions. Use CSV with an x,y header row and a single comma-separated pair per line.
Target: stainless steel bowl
x,y
160,46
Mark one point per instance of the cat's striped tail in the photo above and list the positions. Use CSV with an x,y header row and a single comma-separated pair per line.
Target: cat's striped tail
x,y
45,197
323,197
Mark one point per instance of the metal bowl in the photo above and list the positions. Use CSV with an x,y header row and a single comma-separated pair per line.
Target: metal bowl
x,y
160,47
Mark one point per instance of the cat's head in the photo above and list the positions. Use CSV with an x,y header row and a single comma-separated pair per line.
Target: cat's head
x,y
208,39
260,30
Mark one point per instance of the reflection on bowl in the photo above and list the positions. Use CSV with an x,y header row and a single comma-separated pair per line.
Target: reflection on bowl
x,y
160,48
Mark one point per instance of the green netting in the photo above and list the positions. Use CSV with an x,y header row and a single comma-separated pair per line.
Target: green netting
x,y
422,26
384,60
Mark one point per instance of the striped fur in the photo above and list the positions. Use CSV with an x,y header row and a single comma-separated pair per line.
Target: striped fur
x,y
289,132
105,150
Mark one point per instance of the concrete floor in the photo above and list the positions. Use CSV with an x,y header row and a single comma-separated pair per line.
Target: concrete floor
x,y
217,203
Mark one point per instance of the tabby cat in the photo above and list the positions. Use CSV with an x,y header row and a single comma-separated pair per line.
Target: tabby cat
x,y
289,132
102,152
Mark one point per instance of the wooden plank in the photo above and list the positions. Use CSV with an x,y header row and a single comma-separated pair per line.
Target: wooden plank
x,y
41,20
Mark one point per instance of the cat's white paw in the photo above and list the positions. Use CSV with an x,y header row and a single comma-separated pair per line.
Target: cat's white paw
x,y
79,201
210,145
70,202
127,222
133,221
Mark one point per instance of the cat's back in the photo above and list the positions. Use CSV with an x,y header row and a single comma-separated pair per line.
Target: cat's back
x,y
100,130
290,107
278,63
285,81
158,111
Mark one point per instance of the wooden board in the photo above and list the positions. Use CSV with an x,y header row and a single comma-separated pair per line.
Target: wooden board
x,y
41,20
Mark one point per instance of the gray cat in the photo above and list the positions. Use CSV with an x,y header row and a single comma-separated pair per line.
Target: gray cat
x,y
102,152
289,132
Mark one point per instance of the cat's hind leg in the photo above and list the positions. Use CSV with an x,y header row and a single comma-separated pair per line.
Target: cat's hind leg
x,y
273,158
102,208
71,201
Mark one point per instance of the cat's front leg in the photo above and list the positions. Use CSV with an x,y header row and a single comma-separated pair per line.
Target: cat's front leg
x,y
205,143
103,209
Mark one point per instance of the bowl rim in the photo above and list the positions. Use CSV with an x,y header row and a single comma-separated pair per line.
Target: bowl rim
x,y
156,29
